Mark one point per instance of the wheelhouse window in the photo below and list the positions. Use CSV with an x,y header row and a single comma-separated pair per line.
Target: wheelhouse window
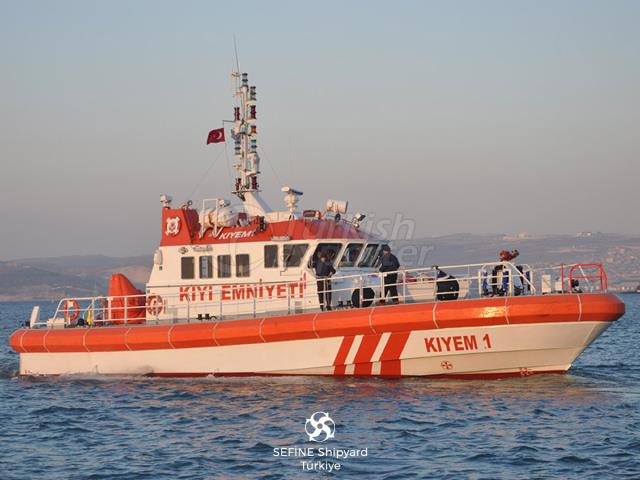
x,y
331,250
271,256
224,266
206,266
187,269
368,256
293,254
351,254
242,265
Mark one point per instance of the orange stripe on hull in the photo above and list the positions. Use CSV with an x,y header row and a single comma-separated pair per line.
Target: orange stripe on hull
x,y
370,322
148,338
192,335
279,329
362,360
341,357
390,357
238,332
106,339
344,322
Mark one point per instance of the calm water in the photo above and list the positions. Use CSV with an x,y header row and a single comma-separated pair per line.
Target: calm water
x,y
582,425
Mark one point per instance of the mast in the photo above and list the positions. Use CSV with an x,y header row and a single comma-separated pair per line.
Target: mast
x,y
245,134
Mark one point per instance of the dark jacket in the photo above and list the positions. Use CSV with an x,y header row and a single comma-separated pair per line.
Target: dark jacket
x,y
389,263
324,269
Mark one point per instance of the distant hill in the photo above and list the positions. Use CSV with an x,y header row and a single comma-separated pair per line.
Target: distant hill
x,y
56,277
87,275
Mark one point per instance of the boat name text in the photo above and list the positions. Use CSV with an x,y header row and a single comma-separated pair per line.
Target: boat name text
x,y
456,343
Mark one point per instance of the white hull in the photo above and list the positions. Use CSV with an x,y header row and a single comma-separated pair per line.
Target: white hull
x,y
507,349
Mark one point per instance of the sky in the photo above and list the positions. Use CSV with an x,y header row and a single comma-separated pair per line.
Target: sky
x,y
479,117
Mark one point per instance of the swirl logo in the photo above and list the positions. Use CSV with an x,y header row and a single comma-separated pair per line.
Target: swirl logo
x,y
320,427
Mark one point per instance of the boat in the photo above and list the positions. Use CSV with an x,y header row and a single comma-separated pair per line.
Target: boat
x,y
233,292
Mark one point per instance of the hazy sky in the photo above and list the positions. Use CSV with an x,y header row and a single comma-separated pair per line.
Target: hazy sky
x,y
471,116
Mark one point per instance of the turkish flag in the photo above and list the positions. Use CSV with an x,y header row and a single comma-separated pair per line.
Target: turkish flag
x,y
216,136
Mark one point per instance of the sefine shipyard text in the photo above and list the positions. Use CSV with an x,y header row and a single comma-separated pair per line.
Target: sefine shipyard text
x,y
320,459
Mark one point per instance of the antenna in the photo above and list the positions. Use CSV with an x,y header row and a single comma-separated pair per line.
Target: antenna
x,y
244,135
245,141
235,49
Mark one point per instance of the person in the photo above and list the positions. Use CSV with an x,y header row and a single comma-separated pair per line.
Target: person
x,y
447,287
324,269
389,263
315,259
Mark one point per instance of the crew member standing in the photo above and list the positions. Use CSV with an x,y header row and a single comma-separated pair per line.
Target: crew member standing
x,y
390,264
324,269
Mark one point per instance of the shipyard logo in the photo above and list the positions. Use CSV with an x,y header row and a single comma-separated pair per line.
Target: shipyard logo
x,y
320,427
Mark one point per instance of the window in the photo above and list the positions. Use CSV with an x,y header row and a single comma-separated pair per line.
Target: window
x,y
293,254
271,256
187,270
224,266
242,265
351,254
368,256
206,266
331,250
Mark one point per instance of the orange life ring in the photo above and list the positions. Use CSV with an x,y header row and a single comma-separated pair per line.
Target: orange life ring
x,y
155,305
73,303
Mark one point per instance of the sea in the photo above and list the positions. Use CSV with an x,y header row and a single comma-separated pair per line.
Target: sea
x,y
585,424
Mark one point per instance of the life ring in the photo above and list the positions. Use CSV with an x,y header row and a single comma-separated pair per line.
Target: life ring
x,y
155,305
71,305
368,296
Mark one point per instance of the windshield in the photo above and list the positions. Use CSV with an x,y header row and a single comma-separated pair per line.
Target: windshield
x,y
331,250
351,254
368,256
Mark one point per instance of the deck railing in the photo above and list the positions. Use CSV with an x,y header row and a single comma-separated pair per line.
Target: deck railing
x,y
436,283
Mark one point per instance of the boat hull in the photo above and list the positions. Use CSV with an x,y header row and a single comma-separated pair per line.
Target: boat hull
x,y
468,338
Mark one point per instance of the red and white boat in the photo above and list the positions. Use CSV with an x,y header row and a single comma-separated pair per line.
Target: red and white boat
x,y
232,293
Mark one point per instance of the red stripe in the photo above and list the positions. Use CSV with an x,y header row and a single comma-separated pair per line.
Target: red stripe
x,y
341,357
390,358
364,354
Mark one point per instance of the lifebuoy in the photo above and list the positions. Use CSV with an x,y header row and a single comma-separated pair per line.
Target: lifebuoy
x,y
155,305
368,295
71,305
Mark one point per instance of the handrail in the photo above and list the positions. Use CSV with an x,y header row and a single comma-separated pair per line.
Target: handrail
x,y
420,284
602,275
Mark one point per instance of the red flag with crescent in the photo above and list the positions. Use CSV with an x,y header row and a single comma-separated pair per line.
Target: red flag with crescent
x,y
215,136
